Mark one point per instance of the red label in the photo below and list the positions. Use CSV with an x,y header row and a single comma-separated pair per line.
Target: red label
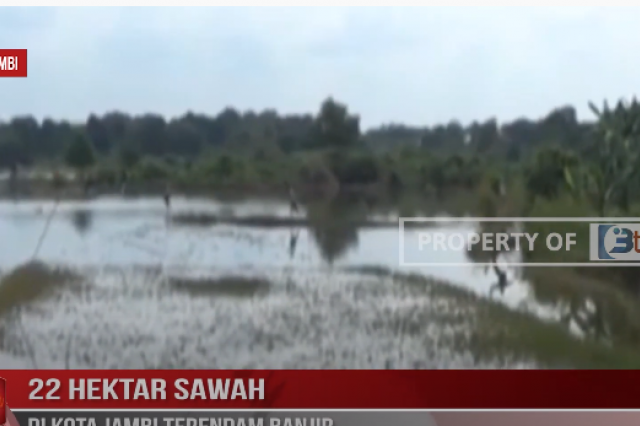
x,y
13,63
3,401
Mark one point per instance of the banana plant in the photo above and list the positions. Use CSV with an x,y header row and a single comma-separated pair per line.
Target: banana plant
x,y
552,169
606,178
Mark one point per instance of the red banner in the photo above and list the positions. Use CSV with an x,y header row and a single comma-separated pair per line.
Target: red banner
x,y
321,389
13,62
3,399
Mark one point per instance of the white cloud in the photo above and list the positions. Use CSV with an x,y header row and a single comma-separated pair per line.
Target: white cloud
x,y
414,65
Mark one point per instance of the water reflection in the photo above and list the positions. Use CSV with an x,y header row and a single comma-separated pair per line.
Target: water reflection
x,y
598,303
591,302
82,220
293,242
334,225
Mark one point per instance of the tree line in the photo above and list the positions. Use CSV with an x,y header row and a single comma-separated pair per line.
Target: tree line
x,y
25,140
596,160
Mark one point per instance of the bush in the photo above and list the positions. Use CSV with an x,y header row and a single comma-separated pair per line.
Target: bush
x,y
316,175
561,207
105,175
354,169
150,169
58,180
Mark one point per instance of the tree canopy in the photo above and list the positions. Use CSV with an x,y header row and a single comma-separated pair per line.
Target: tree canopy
x,y
79,154
24,140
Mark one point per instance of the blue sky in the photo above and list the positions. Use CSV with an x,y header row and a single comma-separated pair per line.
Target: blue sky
x,y
413,65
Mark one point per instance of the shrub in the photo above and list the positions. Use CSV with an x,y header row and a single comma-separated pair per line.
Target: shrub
x,y
150,169
360,169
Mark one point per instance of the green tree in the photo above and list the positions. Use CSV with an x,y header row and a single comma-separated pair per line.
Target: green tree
x,y
183,138
334,127
551,172
79,154
129,158
98,134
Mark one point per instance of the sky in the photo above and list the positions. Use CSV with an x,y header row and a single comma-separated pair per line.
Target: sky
x,y
417,66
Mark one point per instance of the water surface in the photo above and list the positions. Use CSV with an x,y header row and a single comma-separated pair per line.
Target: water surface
x,y
158,294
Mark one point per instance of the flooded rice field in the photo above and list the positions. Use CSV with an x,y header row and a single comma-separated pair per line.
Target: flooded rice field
x,y
144,290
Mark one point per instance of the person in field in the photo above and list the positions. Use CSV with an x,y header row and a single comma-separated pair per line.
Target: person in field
x,y
502,282
123,182
167,197
13,180
293,200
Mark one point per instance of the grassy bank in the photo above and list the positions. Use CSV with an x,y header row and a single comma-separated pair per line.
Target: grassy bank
x,y
30,282
498,332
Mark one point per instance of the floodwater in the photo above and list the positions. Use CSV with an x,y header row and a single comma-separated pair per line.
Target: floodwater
x,y
156,293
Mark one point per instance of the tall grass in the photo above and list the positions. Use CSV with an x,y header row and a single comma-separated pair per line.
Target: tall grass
x,y
30,282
